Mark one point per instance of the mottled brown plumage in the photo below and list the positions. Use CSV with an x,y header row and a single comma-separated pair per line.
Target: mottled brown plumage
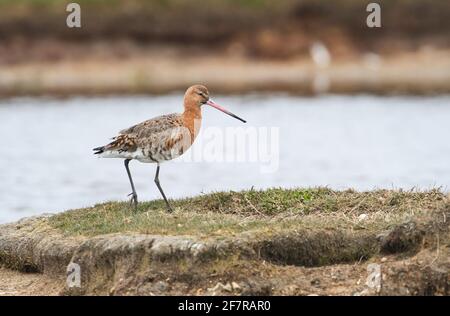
x,y
154,140
161,138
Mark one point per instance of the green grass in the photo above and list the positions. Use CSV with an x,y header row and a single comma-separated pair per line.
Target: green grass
x,y
267,211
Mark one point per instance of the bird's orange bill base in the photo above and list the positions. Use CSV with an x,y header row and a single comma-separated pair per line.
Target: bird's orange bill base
x,y
215,105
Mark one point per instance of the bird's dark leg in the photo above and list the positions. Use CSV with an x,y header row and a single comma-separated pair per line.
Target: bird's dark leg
x,y
134,198
169,208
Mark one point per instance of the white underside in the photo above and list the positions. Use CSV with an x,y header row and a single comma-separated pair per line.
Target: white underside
x,y
126,155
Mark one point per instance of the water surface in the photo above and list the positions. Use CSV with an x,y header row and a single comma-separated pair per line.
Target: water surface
x,y
360,142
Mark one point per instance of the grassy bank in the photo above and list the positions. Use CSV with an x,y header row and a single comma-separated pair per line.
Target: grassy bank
x,y
270,211
271,242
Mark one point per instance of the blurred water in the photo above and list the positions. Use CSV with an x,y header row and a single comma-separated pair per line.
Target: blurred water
x,y
361,142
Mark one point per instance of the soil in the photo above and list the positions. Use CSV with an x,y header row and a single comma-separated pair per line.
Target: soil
x,y
411,257
17,283
422,274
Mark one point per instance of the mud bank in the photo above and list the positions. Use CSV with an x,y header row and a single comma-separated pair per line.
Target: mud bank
x,y
157,72
285,253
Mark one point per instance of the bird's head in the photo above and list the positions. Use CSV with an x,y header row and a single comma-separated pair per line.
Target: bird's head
x,y
198,95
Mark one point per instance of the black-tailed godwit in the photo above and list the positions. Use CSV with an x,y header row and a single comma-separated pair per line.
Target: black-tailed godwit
x,y
161,138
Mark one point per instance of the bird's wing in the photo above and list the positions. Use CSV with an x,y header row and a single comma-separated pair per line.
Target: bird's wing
x,y
121,143
129,139
154,125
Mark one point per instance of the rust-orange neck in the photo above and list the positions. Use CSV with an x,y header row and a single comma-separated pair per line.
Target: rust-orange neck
x,y
192,118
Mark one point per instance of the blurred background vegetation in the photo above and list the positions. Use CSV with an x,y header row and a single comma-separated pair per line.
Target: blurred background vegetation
x,y
213,34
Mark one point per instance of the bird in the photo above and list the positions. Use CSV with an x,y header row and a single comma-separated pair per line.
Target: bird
x,y
161,138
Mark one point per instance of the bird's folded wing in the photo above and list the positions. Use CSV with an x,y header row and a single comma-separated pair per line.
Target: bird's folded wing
x,y
154,125
122,143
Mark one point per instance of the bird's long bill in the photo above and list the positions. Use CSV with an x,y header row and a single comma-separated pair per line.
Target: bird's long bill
x,y
215,105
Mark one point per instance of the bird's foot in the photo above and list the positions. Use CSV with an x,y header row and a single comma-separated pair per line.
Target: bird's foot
x,y
169,208
134,199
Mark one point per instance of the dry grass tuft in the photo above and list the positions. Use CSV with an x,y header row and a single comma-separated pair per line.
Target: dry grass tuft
x,y
266,211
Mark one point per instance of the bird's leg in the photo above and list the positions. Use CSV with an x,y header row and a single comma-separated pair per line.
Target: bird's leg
x,y
134,198
169,208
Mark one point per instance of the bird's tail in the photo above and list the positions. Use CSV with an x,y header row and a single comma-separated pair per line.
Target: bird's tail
x,y
121,143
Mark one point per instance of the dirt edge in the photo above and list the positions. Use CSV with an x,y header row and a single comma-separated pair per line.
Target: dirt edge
x,y
30,245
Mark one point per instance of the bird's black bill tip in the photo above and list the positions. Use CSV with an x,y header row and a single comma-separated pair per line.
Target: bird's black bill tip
x,y
220,108
240,119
